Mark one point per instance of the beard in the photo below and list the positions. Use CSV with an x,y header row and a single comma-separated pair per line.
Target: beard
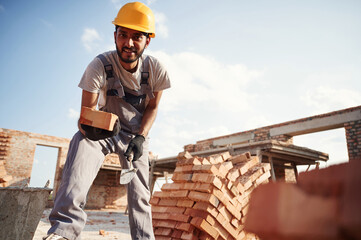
x,y
138,54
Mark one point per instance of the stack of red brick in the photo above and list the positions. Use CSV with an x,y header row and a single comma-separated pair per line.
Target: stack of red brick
x,y
208,198
324,204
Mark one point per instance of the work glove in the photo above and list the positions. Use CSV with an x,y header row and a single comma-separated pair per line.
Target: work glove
x,y
136,147
96,134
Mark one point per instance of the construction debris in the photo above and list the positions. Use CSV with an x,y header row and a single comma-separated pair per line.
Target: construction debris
x,y
102,232
208,198
324,204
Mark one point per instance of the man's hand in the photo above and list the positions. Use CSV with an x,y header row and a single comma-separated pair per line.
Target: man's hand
x,y
135,146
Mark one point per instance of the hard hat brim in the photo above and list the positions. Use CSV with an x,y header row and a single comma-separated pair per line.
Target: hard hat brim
x,y
137,28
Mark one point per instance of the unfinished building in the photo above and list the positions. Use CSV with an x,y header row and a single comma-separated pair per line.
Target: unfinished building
x,y
272,144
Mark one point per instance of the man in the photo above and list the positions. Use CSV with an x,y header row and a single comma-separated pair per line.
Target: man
x,y
129,84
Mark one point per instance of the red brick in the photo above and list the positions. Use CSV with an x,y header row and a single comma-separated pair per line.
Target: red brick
x,y
190,235
164,223
223,234
190,161
215,158
179,217
263,178
184,155
226,156
154,201
164,209
207,208
205,226
350,217
227,226
182,177
205,236
160,194
233,174
160,215
187,227
167,202
184,168
171,186
227,165
225,213
177,233
203,197
185,203
244,167
243,183
289,212
158,237
207,169
160,231
179,194
207,178
220,196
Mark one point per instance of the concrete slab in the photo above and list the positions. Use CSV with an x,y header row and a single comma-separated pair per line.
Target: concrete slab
x,y
20,211
115,225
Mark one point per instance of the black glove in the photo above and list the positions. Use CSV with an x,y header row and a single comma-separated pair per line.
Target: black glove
x,y
96,134
135,146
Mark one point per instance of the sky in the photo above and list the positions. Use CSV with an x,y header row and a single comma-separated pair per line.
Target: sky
x,y
234,65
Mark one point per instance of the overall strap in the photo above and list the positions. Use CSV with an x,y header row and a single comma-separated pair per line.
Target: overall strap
x,y
109,72
108,67
145,79
145,72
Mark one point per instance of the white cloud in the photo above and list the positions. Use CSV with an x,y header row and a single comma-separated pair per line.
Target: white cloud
x,y
207,99
202,81
73,114
161,28
90,39
324,98
118,3
150,2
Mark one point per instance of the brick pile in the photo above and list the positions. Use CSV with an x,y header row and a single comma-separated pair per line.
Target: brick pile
x,y
324,204
208,198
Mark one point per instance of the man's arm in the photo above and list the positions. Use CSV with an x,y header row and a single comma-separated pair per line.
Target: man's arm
x,y
149,114
89,100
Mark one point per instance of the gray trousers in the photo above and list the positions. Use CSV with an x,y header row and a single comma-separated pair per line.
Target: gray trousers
x,y
84,160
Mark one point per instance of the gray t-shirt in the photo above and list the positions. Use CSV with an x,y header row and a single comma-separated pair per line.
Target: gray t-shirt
x,y
94,77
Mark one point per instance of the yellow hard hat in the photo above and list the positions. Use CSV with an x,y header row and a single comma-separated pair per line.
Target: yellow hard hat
x,y
136,16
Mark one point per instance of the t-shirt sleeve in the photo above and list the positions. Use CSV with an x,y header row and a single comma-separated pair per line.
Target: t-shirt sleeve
x,y
93,77
161,77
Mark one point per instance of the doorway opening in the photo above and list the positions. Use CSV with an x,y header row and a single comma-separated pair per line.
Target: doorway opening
x,y
332,142
44,166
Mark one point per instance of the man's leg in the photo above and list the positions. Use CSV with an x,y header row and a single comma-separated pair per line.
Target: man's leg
x,y
138,193
83,162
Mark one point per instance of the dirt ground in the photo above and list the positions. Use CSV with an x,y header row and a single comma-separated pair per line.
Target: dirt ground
x,y
105,225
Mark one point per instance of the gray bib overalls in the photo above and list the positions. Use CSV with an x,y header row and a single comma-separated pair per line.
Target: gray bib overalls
x,y
85,158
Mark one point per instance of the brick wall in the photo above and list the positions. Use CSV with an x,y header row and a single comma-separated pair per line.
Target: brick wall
x,y
353,137
17,150
106,192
